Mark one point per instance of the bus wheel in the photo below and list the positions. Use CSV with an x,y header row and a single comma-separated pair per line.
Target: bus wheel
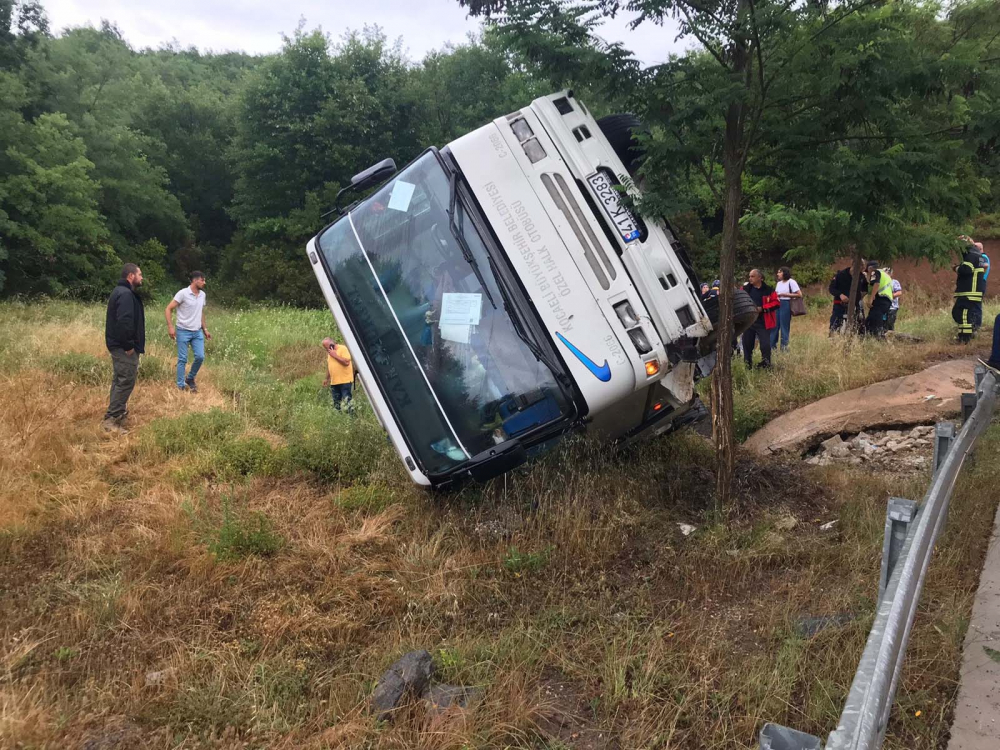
x,y
744,311
619,130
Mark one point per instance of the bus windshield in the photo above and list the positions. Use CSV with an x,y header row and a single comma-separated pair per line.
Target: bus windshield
x,y
444,350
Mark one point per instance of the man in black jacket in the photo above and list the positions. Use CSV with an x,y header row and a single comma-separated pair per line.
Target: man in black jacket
x,y
125,337
840,289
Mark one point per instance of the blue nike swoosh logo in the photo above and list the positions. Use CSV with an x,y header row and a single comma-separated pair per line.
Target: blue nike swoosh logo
x,y
601,372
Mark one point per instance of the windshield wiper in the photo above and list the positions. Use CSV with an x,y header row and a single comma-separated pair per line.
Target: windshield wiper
x,y
516,323
455,224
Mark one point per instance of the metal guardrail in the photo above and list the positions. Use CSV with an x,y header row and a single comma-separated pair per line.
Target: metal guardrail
x,y
911,531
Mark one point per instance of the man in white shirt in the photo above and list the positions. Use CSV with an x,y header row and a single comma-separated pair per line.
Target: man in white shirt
x,y
189,303
897,292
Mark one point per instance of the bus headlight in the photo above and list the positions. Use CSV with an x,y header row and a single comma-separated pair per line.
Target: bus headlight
x,y
627,315
522,130
640,341
534,150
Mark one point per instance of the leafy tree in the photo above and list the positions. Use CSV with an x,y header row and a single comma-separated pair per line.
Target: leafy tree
x,y
53,238
711,108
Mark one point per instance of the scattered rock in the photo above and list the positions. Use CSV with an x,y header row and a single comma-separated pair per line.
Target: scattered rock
x,y
892,450
786,523
807,626
832,442
441,698
122,737
828,526
158,678
687,529
409,676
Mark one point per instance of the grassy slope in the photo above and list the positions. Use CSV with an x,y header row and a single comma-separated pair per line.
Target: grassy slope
x,y
266,556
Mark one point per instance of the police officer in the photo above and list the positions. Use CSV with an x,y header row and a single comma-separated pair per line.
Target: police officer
x,y
881,301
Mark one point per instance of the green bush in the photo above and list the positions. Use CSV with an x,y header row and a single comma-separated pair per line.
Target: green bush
x,y
245,456
334,445
241,535
518,562
154,368
84,369
193,432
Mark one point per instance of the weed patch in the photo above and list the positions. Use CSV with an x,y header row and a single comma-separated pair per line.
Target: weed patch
x,y
245,456
80,368
241,534
193,432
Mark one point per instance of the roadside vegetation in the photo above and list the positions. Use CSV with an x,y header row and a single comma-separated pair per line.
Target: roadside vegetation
x,y
241,568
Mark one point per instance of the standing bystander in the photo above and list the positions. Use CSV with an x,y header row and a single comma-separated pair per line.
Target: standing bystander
x,y
125,337
762,296
897,292
191,331
840,289
339,373
787,289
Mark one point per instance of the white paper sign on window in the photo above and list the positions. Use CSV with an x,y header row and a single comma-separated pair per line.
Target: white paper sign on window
x,y
402,193
459,309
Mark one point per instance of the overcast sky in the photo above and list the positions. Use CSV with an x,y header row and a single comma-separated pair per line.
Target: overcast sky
x,y
256,26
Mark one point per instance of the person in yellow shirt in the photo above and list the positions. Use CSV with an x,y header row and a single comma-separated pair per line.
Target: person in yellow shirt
x,y
339,373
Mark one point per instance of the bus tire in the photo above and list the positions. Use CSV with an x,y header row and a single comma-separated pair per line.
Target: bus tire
x,y
619,130
744,311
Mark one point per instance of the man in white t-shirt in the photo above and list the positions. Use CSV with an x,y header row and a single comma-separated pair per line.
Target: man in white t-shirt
x,y
189,303
897,292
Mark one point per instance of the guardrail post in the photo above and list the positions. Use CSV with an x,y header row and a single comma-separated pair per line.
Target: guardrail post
x,y
777,737
944,435
968,405
899,514
980,374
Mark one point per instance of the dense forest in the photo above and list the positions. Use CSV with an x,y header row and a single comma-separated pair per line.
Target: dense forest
x,y
878,127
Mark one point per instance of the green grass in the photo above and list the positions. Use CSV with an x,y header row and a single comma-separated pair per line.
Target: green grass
x,y
274,554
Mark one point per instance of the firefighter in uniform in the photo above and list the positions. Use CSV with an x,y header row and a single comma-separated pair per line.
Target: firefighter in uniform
x,y
968,294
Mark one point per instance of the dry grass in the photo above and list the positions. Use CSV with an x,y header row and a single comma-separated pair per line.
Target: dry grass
x,y
264,560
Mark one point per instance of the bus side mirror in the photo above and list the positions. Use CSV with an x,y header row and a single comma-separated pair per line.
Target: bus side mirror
x,y
375,173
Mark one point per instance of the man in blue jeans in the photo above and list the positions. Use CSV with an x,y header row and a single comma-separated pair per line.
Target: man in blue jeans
x,y
189,303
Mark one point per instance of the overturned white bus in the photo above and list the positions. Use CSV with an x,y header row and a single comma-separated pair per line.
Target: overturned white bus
x,y
496,294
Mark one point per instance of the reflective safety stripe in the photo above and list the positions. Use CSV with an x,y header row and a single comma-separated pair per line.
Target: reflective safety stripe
x,y
885,284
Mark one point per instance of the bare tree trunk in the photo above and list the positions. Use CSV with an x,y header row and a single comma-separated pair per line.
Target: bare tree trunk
x,y
723,434
852,302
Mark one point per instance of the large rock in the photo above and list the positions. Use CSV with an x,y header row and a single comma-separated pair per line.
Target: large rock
x,y
407,678
900,401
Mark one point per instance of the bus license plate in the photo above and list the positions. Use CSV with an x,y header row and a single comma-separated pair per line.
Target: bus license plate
x,y
618,214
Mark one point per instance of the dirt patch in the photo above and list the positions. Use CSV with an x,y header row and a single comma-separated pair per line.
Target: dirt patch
x,y
567,717
922,398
